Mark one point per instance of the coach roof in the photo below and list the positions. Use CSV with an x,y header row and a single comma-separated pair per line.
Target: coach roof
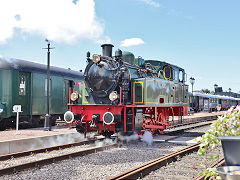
x,y
27,66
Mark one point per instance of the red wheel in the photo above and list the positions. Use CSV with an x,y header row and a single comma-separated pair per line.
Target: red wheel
x,y
141,133
152,131
160,131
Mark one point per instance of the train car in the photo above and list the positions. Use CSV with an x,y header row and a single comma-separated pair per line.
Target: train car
x,y
190,103
209,102
213,103
24,83
226,102
204,102
200,102
127,94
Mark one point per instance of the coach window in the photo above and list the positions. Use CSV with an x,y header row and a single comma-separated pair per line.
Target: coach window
x,y
22,85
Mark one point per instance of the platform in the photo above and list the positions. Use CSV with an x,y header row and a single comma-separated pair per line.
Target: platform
x,y
184,140
187,140
175,139
204,114
29,139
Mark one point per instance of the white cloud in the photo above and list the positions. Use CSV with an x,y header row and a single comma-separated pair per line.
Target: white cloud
x,y
132,42
59,21
104,40
151,3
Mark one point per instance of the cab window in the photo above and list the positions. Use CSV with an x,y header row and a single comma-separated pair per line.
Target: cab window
x,y
134,73
167,72
181,76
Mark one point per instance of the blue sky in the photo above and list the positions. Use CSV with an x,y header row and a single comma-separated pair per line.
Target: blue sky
x,y
203,37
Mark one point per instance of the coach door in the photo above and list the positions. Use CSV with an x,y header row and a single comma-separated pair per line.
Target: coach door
x,y
68,84
24,92
206,104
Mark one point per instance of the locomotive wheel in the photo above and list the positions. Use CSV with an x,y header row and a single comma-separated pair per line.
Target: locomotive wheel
x,y
107,133
80,128
152,131
160,131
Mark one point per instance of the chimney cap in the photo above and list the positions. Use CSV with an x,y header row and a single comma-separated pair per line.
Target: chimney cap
x,y
107,45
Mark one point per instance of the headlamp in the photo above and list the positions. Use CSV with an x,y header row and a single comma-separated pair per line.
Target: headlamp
x,y
96,58
74,96
113,96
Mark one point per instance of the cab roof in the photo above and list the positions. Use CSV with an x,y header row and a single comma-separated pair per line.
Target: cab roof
x,y
163,62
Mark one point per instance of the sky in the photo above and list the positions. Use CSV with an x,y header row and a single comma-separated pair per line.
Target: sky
x,y
203,37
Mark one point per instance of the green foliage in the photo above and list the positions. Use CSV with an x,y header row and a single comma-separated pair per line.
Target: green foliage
x,y
226,125
207,91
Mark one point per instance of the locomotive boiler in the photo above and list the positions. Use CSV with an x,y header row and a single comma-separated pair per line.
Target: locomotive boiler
x,y
123,93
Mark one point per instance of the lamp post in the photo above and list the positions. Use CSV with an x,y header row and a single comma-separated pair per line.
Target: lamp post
x,y
47,122
192,81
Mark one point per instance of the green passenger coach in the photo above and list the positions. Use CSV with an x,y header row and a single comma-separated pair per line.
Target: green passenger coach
x,y
25,83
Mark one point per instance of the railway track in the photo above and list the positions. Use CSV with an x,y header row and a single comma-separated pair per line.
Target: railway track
x,y
46,161
146,168
190,124
49,160
182,164
100,165
38,163
41,150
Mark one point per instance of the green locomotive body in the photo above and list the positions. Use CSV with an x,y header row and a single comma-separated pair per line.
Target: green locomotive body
x,y
152,91
163,84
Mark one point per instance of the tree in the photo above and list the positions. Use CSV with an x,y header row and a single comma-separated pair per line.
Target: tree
x,y
207,91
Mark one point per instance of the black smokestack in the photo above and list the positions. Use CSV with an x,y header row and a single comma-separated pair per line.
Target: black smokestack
x,y
107,50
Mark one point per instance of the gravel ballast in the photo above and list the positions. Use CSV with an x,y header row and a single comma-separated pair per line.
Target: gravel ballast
x,y
100,165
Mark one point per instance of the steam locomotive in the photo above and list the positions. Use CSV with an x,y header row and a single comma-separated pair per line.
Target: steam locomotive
x,y
127,94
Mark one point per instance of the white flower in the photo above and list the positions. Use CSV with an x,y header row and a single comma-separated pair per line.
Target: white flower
x,y
230,109
237,108
233,131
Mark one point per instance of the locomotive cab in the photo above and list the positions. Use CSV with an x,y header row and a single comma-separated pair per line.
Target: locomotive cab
x,y
166,71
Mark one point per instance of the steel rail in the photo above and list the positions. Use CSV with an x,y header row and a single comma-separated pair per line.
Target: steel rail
x,y
214,165
199,122
38,163
187,127
41,150
148,167
196,120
